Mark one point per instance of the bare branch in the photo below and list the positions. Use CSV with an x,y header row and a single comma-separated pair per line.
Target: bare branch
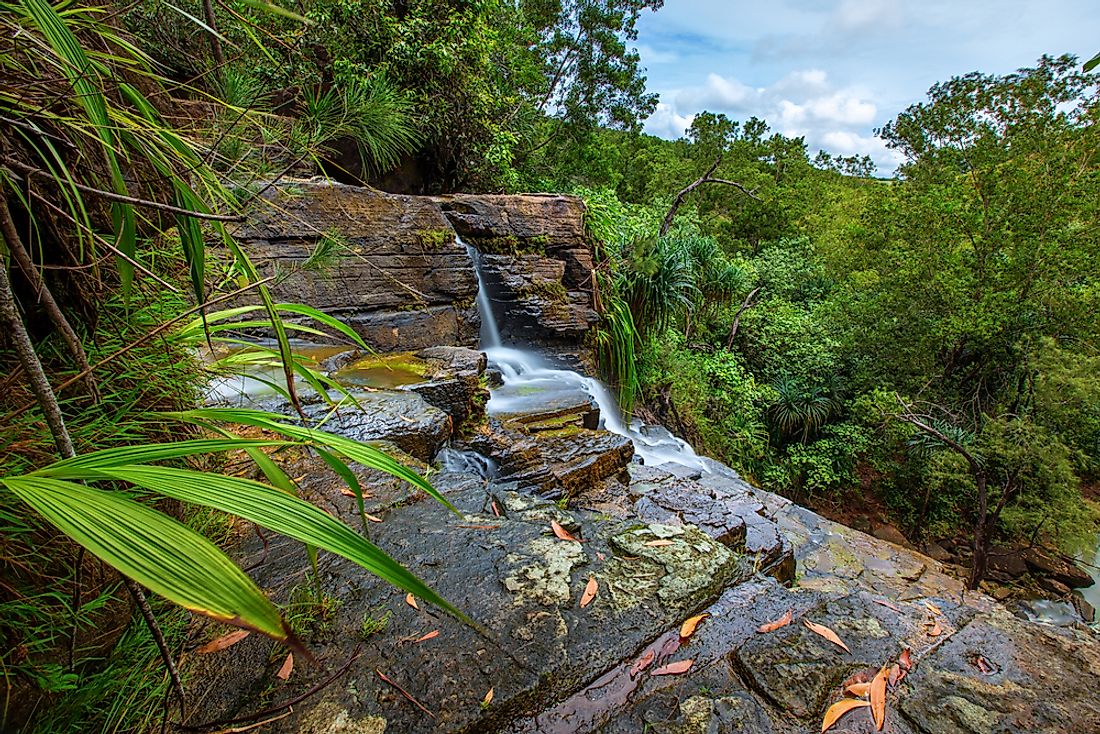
x,y
707,177
133,200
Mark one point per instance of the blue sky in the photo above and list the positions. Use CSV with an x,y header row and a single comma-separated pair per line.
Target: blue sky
x,y
834,70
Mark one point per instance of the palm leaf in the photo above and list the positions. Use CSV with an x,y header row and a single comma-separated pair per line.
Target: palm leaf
x,y
152,549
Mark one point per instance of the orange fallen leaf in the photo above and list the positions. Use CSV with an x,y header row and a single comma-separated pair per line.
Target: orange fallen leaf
x,y
888,605
658,543
287,669
878,699
687,629
496,510
223,642
488,699
777,624
895,676
905,660
984,666
561,532
429,636
860,690
936,630
371,517
411,601
590,590
840,708
828,634
643,662
677,668
932,607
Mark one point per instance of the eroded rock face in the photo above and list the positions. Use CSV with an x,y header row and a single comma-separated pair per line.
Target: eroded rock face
x,y
401,280
536,261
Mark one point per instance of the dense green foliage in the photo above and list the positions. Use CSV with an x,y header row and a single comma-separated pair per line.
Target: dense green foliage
x,y
485,85
805,335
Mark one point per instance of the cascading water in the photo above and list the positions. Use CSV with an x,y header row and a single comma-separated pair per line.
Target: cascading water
x,y
524,371
490,334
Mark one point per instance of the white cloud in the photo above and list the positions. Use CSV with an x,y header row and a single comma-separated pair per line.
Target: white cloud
x,y
666,123
803,103
718,93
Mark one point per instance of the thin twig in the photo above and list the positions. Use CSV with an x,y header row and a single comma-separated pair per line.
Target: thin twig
x,y
158,637
285,705
163,327
110,195
404,693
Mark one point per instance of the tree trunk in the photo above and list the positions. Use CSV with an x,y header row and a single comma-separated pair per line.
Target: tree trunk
x,y
32,366
45,297
982,527
215,42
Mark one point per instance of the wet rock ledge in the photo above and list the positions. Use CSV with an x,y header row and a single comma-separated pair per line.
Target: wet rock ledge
x,y
394,271
662,544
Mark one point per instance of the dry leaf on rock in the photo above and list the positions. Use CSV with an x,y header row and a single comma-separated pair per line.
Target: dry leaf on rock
x,y
411,601
561,532
777,624
828,634
896,674
936,630
905,660
488,699
590,590
287,668
429,636
888,605
840,708
687,629
223,642
878,699
932,607
677,668
643,662
860,690
659,543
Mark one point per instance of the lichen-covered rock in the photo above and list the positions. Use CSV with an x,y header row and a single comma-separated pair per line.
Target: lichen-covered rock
x,y
400,417
401,280
1034,679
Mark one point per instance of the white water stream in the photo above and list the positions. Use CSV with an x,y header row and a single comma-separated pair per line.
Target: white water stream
x,y
526,372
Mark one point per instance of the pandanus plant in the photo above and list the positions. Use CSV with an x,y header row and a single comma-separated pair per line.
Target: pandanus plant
x,y
88,161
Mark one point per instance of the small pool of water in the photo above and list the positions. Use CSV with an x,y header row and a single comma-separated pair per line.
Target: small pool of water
x,y
385,372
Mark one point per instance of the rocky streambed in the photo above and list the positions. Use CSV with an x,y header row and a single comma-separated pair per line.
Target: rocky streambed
x,y
663,543
579,563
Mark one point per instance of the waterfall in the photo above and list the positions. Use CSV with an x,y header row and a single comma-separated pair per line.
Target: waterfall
x,y
490,333
524,370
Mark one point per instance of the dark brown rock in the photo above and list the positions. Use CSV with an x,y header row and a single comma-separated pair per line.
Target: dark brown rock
x,y
887,532
1058,569
536,262
401,280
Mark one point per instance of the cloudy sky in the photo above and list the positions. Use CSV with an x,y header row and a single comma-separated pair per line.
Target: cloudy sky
x,y
834,70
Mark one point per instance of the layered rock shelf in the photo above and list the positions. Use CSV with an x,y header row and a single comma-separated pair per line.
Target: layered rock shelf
x,y
390,266
661,544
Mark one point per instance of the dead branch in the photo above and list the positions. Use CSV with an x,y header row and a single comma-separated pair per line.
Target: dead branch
x,y
707,177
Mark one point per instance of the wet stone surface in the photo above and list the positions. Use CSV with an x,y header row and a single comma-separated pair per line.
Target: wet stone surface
x,y
662,543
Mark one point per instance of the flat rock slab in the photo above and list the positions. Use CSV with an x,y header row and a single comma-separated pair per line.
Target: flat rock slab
x,y
512,575
400,417
660,544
